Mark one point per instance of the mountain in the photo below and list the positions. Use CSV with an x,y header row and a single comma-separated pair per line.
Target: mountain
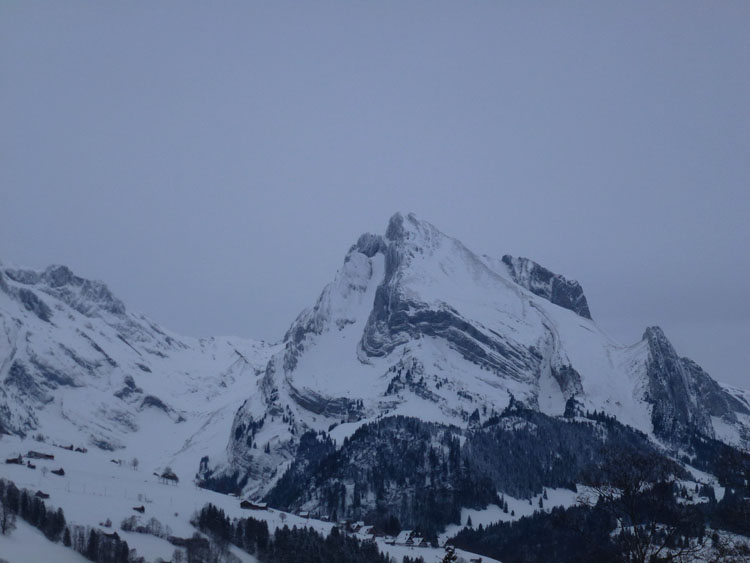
x,y
416,324
427,382
78,368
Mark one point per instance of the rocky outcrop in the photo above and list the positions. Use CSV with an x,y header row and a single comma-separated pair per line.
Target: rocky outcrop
x,y
544,283
682,395
32,303
88,297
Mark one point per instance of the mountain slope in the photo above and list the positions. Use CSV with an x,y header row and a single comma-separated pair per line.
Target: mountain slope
x,y
78,368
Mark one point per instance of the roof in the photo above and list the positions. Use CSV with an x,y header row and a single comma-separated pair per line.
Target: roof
x,y
403,536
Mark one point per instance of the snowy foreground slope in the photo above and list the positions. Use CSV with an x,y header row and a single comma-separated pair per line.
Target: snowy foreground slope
x,y
415,323
94,489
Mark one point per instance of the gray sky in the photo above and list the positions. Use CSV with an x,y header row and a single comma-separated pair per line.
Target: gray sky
x,y
212,162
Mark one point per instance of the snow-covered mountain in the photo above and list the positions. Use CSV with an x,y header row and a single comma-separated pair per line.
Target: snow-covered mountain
x,y
78,368
493,362
415,323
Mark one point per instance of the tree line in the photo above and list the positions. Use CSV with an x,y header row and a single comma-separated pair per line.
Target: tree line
x,y
93,544
285,545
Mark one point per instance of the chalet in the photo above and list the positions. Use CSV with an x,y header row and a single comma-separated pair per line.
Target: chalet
x,y
30,465
140,509
404,538
15,460
367,530
303,514
41,495
253,505
422,542
390,540
81,450
476,560
39,455
168,476
60,472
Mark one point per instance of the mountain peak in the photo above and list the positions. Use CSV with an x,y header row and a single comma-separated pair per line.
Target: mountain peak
x,y
88,297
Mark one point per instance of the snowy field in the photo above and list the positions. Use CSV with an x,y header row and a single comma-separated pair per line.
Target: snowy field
x,y
94,489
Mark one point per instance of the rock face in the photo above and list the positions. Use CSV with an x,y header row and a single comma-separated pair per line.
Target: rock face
x,y
399,315
416,323
85,296
683,397
552,287
672,391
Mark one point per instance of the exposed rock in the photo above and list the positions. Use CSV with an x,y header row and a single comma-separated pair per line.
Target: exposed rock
x,y
682,396
85,296
32,303
544,283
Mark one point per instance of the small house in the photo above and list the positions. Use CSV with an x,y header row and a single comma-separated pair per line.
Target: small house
x,y
253,505
404,538
39,455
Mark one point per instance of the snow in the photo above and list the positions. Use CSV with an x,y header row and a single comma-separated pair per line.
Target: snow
x,y
26,544
521,507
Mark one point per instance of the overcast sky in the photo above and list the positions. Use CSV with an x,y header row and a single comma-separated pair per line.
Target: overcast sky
x,y
212,162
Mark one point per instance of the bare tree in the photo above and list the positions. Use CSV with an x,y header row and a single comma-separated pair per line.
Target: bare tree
x,y
134,463
725,550
620,487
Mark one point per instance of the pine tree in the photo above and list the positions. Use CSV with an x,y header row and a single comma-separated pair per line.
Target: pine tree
x,y
92,549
